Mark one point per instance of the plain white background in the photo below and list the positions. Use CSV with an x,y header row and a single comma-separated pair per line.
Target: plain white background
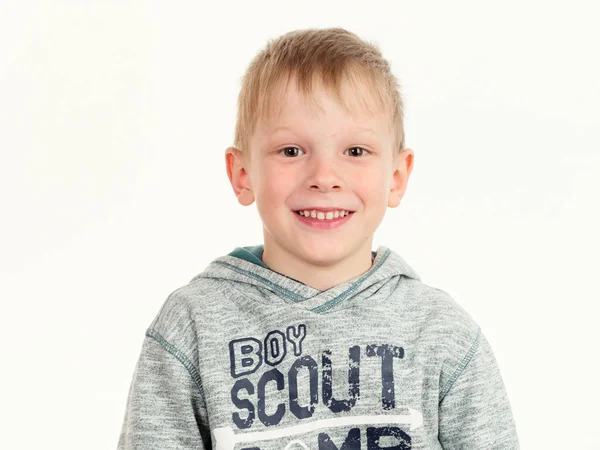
x,y
114,118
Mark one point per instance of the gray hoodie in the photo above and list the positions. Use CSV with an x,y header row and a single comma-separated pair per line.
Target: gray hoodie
x,y
246,358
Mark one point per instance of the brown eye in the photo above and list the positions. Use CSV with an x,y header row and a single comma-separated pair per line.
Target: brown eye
x,y
356,151
290,151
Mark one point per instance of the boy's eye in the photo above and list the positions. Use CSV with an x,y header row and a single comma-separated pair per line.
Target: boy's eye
x,y
290,151
356,151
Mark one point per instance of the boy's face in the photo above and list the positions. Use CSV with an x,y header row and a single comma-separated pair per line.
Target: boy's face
x,y
306,158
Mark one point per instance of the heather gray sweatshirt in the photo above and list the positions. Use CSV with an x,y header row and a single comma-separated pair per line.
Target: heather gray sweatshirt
x,y
245,358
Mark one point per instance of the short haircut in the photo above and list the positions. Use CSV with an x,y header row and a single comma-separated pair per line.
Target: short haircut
x,y
333,56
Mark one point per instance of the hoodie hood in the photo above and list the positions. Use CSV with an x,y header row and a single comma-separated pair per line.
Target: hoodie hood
x,y
244,270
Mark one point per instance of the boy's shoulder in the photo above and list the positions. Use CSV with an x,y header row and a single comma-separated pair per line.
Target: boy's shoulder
x,y
178,319
439,307
182,304
447,329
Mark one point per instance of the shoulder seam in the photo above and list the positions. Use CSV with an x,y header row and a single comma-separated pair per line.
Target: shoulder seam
x,y
462,366
180,356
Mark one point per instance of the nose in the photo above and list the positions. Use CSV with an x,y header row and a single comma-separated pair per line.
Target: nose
x,y
323,174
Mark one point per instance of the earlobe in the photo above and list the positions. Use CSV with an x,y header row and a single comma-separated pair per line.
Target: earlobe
x,y
394,199
238,176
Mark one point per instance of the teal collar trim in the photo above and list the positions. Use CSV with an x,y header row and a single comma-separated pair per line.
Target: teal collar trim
x,y
251,254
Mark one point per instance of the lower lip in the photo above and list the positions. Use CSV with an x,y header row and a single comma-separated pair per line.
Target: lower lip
x,y
323,224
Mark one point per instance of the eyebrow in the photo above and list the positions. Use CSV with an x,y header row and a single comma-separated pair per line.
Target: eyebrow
x,y
280,128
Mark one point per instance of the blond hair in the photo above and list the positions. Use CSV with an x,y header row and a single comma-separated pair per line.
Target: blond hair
x,y
333,56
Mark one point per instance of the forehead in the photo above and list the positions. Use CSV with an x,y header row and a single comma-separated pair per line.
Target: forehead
x,y
357,101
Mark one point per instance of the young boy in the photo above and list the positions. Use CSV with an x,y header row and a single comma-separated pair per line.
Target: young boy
x,y
311,340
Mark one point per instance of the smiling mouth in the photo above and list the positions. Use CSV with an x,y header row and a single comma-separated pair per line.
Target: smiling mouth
x,y
323,215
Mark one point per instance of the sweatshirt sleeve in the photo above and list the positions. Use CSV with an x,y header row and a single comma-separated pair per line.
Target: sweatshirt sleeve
x,y
165,409
474,410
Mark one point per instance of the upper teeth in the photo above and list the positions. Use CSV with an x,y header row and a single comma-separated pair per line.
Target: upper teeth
x,y
320,215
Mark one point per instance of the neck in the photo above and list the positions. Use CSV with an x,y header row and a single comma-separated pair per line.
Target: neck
x,y
320,275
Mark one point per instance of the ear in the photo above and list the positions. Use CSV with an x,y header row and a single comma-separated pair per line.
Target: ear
x,y
238,176
403,163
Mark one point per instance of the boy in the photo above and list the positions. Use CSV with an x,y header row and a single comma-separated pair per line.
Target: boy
x,y
311,340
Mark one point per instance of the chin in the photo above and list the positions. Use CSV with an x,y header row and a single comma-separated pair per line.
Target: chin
x,y
323,252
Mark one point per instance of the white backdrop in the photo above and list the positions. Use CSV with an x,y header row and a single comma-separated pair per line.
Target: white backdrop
x,y
114,118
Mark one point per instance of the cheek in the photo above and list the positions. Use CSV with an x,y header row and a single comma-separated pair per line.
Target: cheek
x,y
274,186
374,184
